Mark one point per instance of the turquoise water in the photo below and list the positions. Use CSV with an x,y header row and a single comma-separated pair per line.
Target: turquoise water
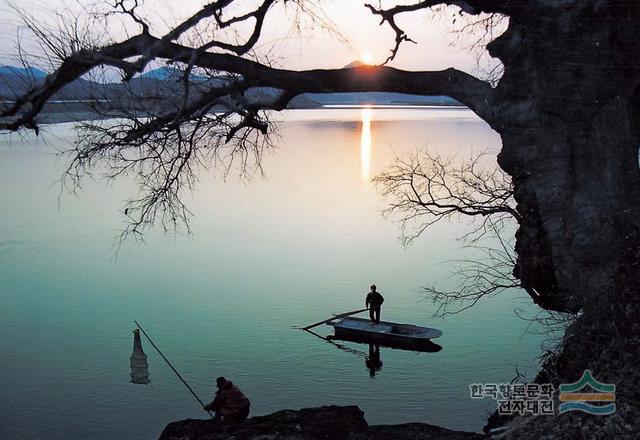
x,y
289,248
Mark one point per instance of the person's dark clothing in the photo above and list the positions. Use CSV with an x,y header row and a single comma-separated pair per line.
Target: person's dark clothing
x,y
230,404
374,302
374,299
374,314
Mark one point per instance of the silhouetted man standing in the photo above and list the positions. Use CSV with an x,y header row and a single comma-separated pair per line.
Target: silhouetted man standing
x,y
374,302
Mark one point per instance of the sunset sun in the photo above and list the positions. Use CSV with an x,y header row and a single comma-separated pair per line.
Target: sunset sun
x,y
366,57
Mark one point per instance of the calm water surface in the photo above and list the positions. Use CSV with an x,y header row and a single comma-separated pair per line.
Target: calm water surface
x,y
290,248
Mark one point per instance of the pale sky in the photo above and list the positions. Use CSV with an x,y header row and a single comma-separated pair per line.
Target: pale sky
x,y
311,47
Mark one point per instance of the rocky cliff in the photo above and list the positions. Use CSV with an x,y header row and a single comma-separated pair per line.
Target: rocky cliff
x,y
567,110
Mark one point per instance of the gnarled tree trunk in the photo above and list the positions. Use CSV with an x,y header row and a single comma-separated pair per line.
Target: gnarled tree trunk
x,y
567,109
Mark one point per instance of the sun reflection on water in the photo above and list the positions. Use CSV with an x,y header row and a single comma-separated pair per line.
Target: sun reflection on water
x,y
365,144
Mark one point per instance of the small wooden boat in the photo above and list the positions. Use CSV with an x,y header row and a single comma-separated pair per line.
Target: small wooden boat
x,y
385,333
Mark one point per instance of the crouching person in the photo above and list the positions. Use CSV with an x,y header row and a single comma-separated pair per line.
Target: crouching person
x,y
229,404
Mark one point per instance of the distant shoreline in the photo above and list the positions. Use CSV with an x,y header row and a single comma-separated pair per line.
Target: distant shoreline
x,y
62,111
391,106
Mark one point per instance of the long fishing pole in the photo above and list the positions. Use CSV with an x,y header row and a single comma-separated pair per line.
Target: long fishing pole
x,y
171,366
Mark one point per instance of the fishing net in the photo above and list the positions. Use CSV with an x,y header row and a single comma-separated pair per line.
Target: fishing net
x,y
139,365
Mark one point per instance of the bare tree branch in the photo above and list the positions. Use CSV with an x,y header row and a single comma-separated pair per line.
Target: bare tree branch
x,y
488,274
476,94
134,54
473,7
426,189
474,34
162,137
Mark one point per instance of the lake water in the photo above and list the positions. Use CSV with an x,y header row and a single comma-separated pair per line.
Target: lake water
x,y
292,247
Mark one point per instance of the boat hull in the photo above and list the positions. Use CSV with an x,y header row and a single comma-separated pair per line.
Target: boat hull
x,y
406,336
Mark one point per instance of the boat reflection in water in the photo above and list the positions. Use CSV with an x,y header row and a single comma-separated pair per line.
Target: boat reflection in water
x,y
372,360
425,346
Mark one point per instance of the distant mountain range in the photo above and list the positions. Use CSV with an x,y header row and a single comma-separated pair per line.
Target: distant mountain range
x,y
164,82
31,71
15,81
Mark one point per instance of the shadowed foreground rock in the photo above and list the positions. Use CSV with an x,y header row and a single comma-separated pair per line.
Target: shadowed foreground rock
x,y
324,423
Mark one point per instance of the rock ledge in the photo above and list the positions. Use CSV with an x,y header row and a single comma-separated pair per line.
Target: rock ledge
x,y
323,423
